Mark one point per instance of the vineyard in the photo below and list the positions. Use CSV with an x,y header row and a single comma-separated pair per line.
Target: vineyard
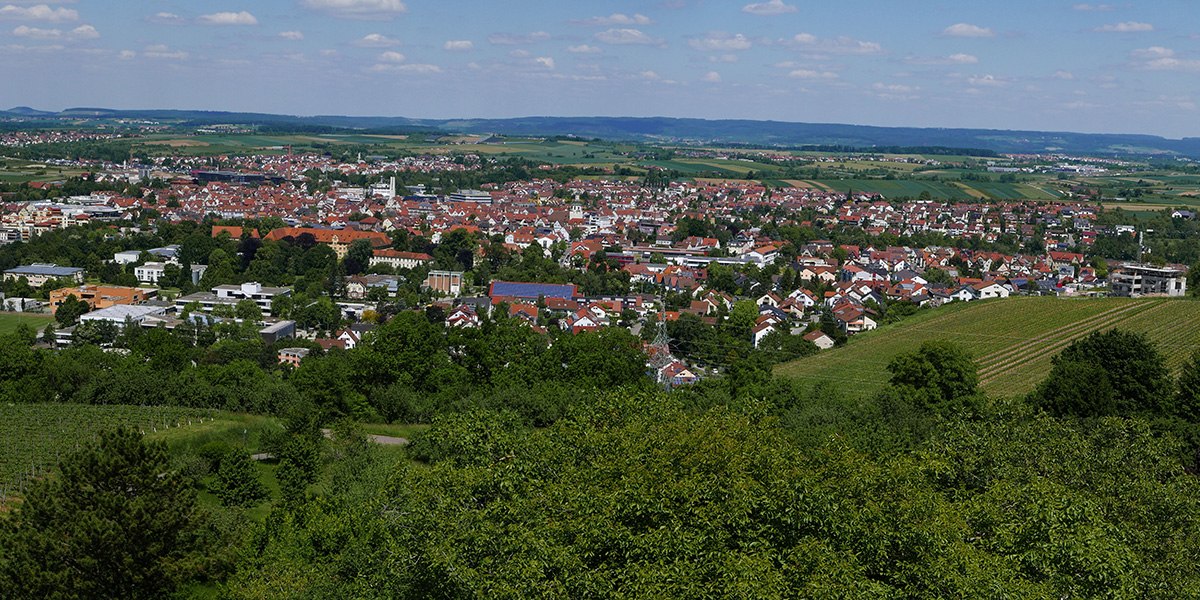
x,y
35,436
1013,340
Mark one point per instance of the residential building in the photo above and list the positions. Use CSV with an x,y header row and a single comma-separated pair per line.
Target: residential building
x,y
38,274
337,239
532,291
231,294
1135,280
400,260
151,272
292,356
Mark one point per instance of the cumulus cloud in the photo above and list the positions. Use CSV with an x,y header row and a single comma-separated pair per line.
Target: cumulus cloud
x,y
812,74
458,45
126,55
769,8
1092,7
839,45
83,32
391,57
962,59
292,35
968,30
1125,27
1063,75
163,52
1158,58
545,61
376,40
515,39
711,77
37,12
228,18
987,81
720,41
895,88
649,75
627,37
583,49
616,19
166,18
358,9
415,68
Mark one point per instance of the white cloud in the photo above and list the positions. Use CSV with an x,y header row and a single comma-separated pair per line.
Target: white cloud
x,y
616,19
84,32
720,41
520,53
584,49
1063,75
811,74
962,59
968,30
458,45
1157,58
1126,27
166,18
37,12
1153,52
161,51
839,45
987,80
417,68
358,9
633,37
1093,7
291,35
895,88
711,77
514,39
769,8
126,55
545,61
376,40
649,75
391,57
36,33
228,18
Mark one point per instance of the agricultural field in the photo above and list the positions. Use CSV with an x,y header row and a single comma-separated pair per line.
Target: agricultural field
x,y
34,436
1012,340
9,321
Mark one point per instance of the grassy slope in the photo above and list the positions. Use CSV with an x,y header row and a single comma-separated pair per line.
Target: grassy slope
x,y
9,321
1013,340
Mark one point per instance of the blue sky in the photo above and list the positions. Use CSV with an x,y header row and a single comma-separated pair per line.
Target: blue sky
x,y
1129,67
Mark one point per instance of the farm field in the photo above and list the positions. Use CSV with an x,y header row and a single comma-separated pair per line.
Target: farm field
x,y
10,320
896,188
1012,340
35,435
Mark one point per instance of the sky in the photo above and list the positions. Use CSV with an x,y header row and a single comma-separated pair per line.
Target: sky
x,y
1119,67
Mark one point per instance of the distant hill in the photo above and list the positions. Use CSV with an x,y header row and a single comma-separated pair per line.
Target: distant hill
x,y
667,129
1012,340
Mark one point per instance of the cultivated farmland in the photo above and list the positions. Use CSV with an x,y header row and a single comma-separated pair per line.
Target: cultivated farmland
x,y
35,436
1012,340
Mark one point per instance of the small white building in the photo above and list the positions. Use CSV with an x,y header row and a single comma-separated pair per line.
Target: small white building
x,y
151,272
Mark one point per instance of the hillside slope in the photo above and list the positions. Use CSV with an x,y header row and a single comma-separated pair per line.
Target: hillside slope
x,y
1012,340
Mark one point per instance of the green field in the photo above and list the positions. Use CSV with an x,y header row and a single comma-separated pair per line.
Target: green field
x,y
36,435
10,320
1012,340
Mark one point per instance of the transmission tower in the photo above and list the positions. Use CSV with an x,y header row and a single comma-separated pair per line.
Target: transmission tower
x,y
660,348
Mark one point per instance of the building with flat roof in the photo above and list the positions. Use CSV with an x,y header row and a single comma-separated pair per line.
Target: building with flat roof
x,y
100,296
448,283
231,294
151,272
1133,280
38,274
532,291
474,196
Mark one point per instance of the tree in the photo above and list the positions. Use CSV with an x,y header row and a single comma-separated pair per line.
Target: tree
x,y
1187,397
939,374
70,310
1111,373
358,257
237,480
116,522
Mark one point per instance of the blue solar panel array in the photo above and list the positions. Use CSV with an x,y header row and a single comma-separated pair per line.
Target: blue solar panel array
x,y
510,289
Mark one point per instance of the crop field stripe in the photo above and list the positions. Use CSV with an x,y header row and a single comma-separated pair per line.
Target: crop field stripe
x,y
1010,367
997,357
